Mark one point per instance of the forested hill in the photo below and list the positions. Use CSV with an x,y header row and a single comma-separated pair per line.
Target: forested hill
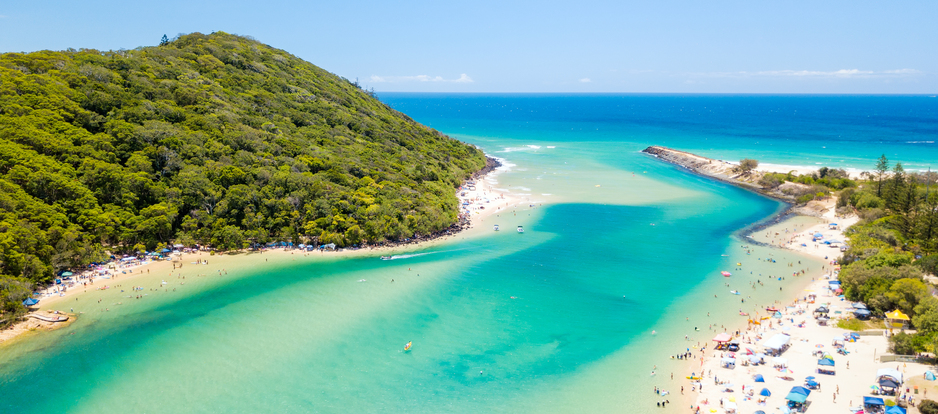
x,y
213,139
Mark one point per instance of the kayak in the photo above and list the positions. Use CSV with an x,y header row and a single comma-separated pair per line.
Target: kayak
x,y
735,292
407,347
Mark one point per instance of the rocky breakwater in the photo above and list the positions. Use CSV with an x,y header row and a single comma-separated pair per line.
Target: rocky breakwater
x,y
725,171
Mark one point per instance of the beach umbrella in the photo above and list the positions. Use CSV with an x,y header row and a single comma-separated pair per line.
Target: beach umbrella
x,y
67,274
809,378
759,412
765,392
895,410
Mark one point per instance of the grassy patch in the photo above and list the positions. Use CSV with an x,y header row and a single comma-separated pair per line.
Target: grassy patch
x,y
857,325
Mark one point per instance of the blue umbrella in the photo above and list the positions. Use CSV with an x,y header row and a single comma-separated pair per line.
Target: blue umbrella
x,y
765,392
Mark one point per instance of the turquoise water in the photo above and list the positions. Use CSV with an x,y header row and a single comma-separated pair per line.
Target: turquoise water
x,y
558,319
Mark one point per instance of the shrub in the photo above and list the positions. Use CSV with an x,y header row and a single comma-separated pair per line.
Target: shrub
x,y
928,407
902,344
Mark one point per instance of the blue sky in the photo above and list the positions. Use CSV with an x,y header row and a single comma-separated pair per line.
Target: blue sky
x,y
538,46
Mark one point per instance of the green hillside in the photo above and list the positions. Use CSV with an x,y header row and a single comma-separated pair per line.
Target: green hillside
x,y
212,139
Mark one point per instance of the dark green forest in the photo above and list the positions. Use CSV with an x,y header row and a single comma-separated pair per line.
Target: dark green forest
x,y
211,139
892,247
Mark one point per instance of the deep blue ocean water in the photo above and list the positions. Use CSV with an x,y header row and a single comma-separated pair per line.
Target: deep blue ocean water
x,y
841,131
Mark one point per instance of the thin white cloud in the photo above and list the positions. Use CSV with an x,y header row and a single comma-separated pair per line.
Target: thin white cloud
x,y
463,78
585,80
813,74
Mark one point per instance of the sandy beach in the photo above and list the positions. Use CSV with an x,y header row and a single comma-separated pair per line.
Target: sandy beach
x,y
478,199
725,386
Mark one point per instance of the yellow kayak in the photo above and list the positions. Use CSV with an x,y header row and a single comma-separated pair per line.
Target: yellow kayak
x,y
407,347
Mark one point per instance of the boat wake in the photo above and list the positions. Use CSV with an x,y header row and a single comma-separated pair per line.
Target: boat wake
x,y
408,256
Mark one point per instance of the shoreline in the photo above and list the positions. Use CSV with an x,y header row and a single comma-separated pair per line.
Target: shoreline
x,y
479,194
793,302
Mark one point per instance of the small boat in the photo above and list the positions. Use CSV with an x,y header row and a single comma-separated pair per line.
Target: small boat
x,y
738,264
743,314
771,309
520,229
407,347
735,292
726,274
693,377
385,257
496,227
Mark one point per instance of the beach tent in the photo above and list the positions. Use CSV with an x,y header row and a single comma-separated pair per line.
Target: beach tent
x,y
30,302
798,394
825,362
728,362
758,378
755,359
889,373
818,235
873,401
729,406
765,392
862,314
887,382
859,305
723,337
895,410
777,343
929,375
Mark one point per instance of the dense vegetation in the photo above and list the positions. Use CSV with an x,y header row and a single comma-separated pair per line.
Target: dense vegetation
x,y
892,247
813,186
211,139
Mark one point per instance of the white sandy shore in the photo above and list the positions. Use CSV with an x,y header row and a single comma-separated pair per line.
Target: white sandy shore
x,y
855,372
801,239
483,200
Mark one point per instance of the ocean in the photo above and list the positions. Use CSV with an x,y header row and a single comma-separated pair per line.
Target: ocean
x,y
617,271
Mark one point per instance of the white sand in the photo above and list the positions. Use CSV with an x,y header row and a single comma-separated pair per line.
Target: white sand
x,y
853,383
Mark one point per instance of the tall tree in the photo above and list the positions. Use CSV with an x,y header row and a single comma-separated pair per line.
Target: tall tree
x,y
164,41
895,188
882,166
